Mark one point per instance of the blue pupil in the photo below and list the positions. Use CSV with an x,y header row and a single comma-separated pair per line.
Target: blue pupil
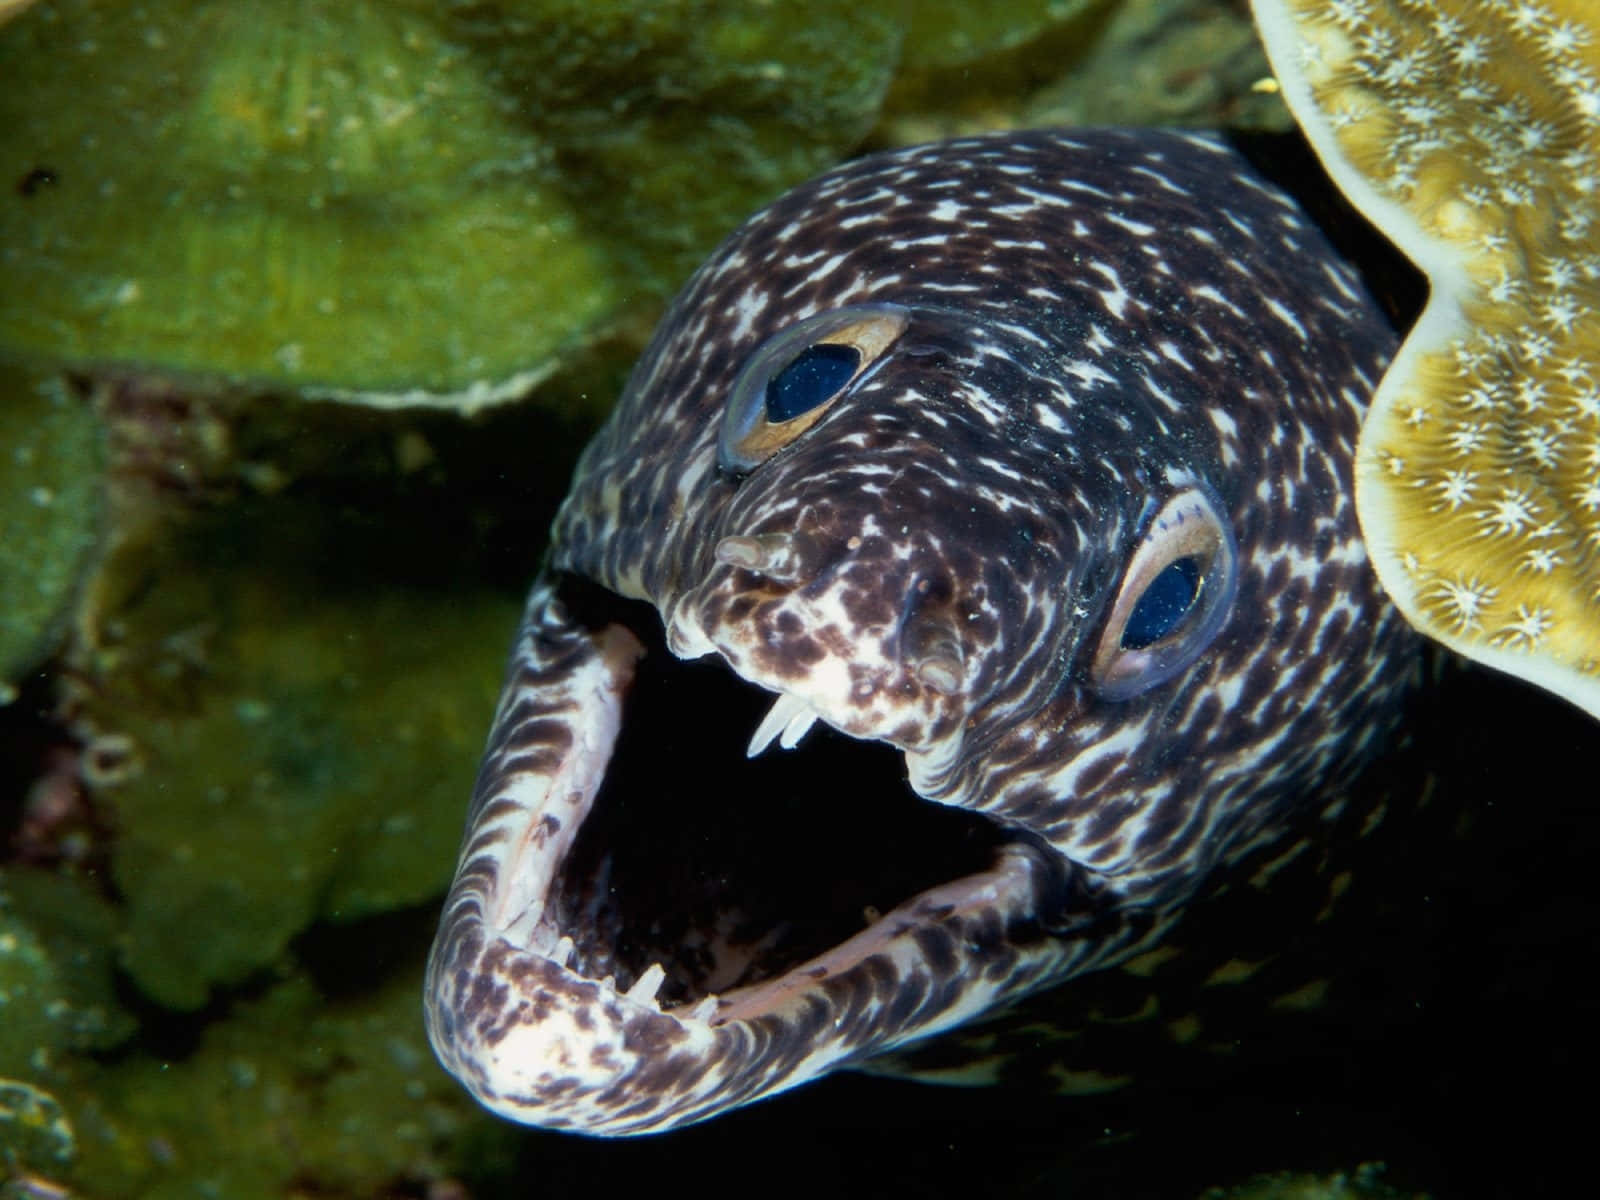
x,y
813,377
1164,604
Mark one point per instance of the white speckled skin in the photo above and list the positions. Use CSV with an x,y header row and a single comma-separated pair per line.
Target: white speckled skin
x,y
1099,320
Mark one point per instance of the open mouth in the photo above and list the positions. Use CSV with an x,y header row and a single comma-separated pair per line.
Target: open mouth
x,y
650,924
700,870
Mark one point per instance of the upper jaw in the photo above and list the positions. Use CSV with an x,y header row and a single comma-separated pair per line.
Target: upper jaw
x,y
863,683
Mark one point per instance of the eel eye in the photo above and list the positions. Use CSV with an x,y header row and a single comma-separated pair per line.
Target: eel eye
x,y
1174,597
796,375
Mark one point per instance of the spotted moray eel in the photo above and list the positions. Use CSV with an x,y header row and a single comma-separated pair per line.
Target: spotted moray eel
x,y
1027,456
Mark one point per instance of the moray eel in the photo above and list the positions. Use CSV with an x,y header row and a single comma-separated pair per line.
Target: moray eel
x,y
1012,475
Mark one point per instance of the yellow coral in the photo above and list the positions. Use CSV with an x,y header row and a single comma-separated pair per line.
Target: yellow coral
x,y
1468,132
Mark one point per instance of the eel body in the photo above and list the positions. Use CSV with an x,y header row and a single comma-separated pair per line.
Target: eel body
x,y
968,574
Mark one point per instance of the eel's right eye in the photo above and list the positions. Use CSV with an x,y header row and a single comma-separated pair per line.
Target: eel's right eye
x,y
1167,599
1175,597
816,376
797,375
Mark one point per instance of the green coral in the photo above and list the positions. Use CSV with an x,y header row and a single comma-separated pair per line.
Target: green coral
x,y
957,33
297,1090
306,716
50,512
34,1128
414,200
301,193
357,197
1190,63
56,998
31,1000
667,122
1193,63
59,933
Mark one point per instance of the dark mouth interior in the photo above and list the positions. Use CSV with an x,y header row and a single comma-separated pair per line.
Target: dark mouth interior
x,y
728,870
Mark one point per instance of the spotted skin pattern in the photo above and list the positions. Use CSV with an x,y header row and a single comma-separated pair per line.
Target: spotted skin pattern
x,y
1097,322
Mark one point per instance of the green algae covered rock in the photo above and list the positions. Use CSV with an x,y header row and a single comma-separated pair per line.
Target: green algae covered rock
x,y
35,1131
395,200
670,121
31,997
304,706
296,1094
50,512
57,992
57,999
1192,63
310,194
445,202
950,33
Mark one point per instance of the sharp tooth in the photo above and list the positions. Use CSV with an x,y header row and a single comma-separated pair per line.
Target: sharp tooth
x,y
562,954
705,1010
799,725
644,988
787,713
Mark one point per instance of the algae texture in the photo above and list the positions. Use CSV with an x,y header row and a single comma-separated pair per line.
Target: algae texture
x,y
306,726
51,459
297,1094
1185,63
57,999
389,200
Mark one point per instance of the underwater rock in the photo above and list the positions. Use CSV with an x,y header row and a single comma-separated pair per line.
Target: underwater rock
x,y
50,513
667,122
430,205
300,718
57,993
953,33
299,1093
33,1130
312,195
30,999
1192,63
55,998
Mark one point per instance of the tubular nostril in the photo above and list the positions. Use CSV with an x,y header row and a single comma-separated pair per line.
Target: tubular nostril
x,y
941,672
931,650
775,555
928,642
743,552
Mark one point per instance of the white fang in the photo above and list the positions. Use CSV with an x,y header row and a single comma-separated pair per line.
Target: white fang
x,y
647,985
788,720
562,954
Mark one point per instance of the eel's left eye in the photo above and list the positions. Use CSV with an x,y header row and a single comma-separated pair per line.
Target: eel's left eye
x,y
1174,597
797,375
